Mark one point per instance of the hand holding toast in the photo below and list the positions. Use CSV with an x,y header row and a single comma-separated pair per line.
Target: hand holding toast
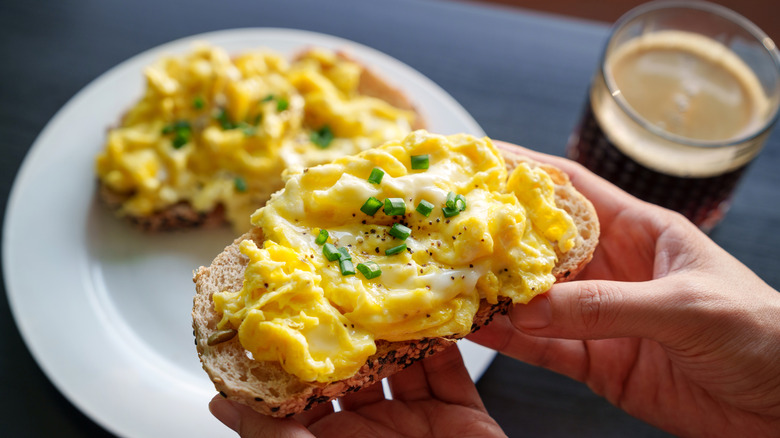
x,y
664,323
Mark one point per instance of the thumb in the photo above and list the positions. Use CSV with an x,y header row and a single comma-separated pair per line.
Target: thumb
x,y
598,309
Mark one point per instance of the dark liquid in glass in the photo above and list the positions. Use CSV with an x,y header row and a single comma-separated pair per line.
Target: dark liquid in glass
x,y
702,200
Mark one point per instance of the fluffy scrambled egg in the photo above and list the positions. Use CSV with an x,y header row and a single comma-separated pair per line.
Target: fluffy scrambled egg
x,y
214,130
453,227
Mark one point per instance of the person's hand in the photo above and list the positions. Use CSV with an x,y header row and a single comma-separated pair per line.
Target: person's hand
x,y
432,398
663,323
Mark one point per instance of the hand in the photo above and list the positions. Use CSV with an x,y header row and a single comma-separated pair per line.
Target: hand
x,y
432,398
663,323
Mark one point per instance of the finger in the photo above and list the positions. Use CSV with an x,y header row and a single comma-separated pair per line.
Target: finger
x,y
315,414
250,424
603,309
366,396
410,384
565,356
449,379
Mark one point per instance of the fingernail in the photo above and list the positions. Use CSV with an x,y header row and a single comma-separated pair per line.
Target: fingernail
x,y
225,412
534,315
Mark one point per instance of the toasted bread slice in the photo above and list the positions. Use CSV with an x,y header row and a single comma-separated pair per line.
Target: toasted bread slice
x,y
268,389
183,215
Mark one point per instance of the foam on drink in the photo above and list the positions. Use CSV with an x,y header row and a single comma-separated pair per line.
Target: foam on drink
x,y
680,87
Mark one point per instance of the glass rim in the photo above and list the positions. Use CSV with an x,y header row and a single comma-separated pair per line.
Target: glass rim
x,y
769,47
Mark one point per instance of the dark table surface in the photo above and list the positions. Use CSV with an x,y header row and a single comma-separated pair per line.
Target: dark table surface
x,y
521,75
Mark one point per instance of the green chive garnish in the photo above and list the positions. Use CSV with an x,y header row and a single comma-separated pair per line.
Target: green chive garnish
x,y
224,120
198,103
182,133
400,232
396,249
281,104
371,206
395,207
450,211
240,184
344,254
322,137
425,208
420,161
248,129
369,270
268,98
346,267
460,202
376,176
179,141
450,202
330,252
322,237
454,204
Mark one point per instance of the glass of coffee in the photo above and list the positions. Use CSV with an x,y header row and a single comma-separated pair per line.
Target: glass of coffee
x,y
683,101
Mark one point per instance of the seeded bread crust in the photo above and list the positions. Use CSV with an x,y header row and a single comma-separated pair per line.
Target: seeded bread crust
x,y
183,215
268,389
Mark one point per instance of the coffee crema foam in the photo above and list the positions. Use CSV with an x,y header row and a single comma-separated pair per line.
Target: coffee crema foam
x,y
689,88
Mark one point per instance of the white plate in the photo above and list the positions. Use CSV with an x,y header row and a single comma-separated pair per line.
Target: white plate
x,y
105,309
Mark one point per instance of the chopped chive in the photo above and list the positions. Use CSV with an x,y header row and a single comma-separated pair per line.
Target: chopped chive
x,y
322,237
369,270
420,161
376,176
450,202
268,98
322,137
281,104
248,129
344,254
371,206
198,102
182,131
460,202
178,126
346,267
396,249
179,141
395,207
224,120
330,252
425,208
257,119
400,232
450,211
240,184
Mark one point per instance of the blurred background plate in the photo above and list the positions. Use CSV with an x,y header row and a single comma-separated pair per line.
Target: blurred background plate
x,y
104,308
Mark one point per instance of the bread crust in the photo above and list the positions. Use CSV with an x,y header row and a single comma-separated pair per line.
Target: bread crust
x,y
268,389
183,215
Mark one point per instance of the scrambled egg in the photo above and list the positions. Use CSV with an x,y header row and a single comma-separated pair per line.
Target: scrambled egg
x,y
214,130
484,234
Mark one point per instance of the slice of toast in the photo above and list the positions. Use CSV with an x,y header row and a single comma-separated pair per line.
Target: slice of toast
x,y
268,389
183,215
